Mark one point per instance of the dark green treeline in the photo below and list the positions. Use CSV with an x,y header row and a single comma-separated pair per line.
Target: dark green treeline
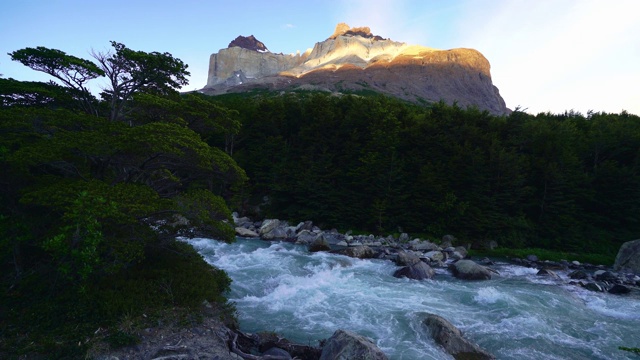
x,y
559,181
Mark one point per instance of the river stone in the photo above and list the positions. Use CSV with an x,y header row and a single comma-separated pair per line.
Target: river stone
x,y
603,275
420,245
593,287
469,270
346,345
268,225
319,244
406,258
628,257
277,352
275,233
578,275
532,257
451,339
435,255
306,237
619,289
359,252
240,231
549,273
419,271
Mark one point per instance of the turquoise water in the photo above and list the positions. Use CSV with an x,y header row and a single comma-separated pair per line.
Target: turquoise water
x,y
306,297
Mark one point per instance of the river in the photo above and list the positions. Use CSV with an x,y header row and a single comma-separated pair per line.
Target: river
x,y
306,296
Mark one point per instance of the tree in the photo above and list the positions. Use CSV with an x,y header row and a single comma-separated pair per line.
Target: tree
x,y
129,71
73,72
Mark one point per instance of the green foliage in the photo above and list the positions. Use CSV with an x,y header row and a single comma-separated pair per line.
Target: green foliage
x,y
565,182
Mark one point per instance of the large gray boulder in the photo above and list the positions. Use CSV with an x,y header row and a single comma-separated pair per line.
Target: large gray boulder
x,y
306,237
268,225
469,270
405,258
319,244
243,232
346,345
418,271
628,257
359,252
451,339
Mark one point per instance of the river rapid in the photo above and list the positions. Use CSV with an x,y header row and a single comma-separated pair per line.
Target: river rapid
x,y
305,297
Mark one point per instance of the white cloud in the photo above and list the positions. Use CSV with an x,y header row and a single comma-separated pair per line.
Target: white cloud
x,y
288,26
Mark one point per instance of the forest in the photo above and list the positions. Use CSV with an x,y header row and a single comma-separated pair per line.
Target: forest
x,y
95,191
372,163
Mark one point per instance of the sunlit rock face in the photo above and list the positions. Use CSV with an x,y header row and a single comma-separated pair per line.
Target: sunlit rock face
x,y
354,59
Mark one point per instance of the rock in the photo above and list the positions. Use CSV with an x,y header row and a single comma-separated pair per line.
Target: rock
x,y
628,257
459,253
549,273
603,275
532,258
306,237
469,270
249,43
619,289
404,237
405,258
578,275
359,252
346,345
268,225
575,263
418,271
593,287
419,245
451,339
280,353
276,233
319,244
240,231
435,255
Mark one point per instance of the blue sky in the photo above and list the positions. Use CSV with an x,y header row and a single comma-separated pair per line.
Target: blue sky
x,y
545,55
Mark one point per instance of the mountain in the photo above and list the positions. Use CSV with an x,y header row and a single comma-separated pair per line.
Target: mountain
x,y
353,59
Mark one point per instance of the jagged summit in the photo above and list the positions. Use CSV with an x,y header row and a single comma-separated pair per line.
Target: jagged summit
x,y
249,43
353,59
343,29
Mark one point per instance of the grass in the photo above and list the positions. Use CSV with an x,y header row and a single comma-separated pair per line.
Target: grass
x,y
60,322
545,254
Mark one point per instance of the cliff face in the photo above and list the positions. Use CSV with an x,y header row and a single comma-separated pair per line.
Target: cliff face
x,y
354,59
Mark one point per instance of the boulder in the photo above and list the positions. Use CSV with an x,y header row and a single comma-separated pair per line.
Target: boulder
x,y
451,339
306,237
603,275
549,273
346,345
435,256
240,231
469,270
405,258
319,244
359,252
276,233
619,289
628,257
419,245
277,353
268,225
593,287
459,253
418,271
532,257
578,275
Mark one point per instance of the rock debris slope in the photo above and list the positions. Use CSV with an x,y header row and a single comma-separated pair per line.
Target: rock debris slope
x,y
353,59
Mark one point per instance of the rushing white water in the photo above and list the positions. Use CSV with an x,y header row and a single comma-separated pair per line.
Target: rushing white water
x,y
306,297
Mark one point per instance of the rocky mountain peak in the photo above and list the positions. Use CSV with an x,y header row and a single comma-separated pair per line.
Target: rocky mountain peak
x,y
342,29
249,43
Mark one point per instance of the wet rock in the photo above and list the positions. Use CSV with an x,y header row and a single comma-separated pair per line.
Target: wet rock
x,y
277,352
469,270
451,339
419,245
418,271
268,225
532,258
619,289
628,257
593,287
548,273
346,345
240,231
306,237
359,252
405,258
578,275
435,256
319,244
603,275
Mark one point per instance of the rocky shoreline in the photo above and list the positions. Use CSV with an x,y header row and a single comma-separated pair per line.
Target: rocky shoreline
x,y
417,258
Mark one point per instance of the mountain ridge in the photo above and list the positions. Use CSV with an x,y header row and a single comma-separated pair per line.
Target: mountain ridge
x,y
353,59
